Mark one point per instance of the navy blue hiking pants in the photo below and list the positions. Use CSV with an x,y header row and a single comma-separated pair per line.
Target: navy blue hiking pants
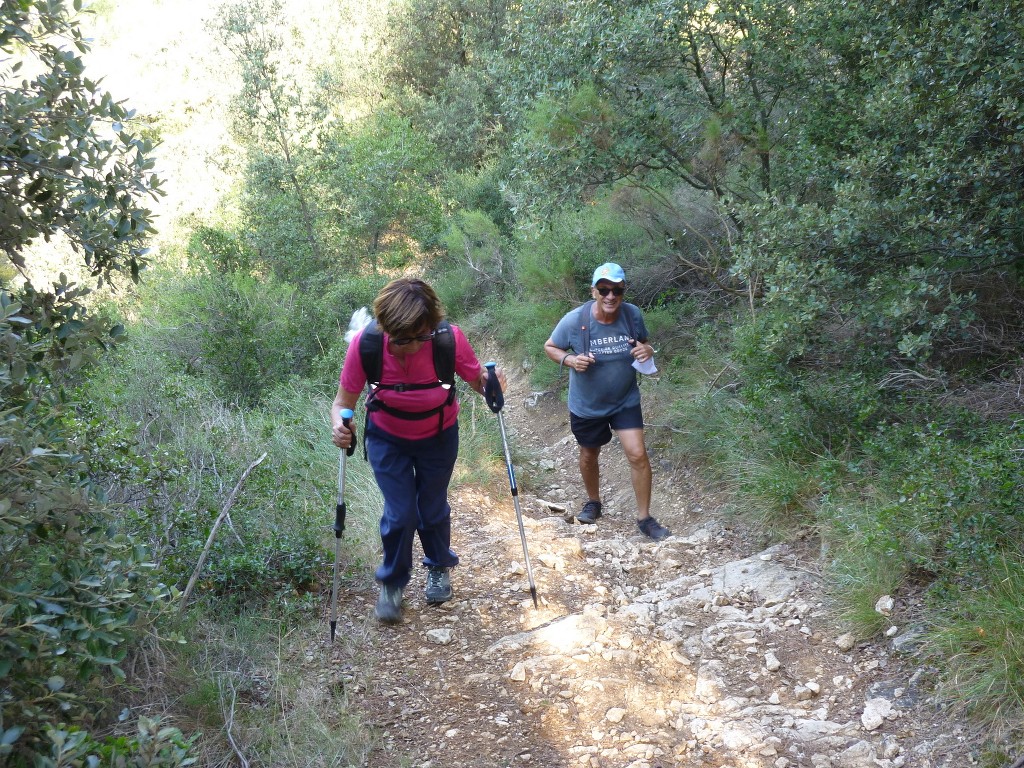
x,y
413,477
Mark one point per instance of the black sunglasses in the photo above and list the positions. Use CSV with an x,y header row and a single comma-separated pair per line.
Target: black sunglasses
x,y
403,342
617,291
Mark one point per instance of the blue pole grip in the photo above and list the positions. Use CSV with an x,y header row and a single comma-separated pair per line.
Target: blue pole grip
x,y
346,419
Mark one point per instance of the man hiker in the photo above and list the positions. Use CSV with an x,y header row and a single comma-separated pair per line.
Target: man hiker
x,y
599,343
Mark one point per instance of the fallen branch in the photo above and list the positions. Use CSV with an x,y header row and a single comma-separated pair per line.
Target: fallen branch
x,y
231,719
213,531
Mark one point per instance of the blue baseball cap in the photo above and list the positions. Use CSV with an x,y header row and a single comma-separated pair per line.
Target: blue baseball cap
x,y
611,272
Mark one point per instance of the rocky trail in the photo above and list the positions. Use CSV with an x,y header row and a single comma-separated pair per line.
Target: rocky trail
x,y
702,650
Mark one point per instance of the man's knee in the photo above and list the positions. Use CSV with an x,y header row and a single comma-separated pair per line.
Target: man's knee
x,y
638,460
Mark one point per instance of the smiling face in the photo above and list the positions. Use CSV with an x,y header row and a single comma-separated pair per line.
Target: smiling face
x,y
607,297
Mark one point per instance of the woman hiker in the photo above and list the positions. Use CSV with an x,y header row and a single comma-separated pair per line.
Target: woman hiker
x,y
409,358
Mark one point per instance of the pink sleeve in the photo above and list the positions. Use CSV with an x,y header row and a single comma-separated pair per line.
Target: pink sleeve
x,y
353,377
466,363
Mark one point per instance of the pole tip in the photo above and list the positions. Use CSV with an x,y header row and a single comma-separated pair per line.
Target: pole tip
x,y
533,594
334,627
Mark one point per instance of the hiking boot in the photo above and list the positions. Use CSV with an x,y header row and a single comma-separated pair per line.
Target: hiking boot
x,y
389,604
439,585
651,527
591,511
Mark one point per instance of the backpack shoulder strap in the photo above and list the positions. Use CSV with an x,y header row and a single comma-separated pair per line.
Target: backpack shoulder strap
x,y
583,321
633,321
371,352
444,353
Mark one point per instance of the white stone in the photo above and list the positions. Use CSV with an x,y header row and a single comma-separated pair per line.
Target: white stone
x,y
875,713
518,673
771,662
615,715
885,605
441,636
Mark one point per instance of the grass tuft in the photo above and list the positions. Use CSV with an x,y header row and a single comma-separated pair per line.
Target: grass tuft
x,y
978,640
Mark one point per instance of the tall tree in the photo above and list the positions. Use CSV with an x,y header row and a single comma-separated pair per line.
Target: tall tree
x,y
903,165
381,177
275,122
435,61
685,87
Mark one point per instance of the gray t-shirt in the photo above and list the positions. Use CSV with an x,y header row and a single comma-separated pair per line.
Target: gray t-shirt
x,y
610,383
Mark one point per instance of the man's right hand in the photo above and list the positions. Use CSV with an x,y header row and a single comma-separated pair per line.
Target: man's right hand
x,y
580,363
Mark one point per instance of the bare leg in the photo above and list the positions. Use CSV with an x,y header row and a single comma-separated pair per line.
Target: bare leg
x,y
591,472
639,468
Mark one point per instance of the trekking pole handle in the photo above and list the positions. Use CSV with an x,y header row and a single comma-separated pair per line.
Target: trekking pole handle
x,y
346,419
492,389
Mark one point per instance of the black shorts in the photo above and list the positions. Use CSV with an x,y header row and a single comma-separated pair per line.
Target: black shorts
x,y
593,433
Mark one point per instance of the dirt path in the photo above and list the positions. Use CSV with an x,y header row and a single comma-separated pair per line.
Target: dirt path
x,y
702,650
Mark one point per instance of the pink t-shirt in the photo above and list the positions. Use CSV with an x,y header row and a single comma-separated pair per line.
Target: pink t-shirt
x,y
417,368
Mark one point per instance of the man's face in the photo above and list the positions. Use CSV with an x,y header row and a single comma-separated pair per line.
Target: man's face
x,y
608,294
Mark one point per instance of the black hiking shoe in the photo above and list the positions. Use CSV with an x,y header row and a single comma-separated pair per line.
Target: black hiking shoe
x,y
591,511
389,605
651,527
439,585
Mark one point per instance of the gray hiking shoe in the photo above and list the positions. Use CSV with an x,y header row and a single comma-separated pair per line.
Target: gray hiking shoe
x,y
651,527
439,585
389,604
591,511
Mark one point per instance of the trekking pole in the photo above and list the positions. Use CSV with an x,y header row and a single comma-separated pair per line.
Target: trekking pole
x,y
339,518
496,401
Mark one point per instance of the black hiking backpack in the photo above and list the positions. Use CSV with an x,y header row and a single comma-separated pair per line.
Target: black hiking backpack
x,y
371,353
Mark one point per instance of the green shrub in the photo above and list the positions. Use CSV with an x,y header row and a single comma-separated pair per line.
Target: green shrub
x,y
152,746
961,489
270,564
77,587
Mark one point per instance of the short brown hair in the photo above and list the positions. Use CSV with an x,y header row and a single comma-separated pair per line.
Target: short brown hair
x,y
405,306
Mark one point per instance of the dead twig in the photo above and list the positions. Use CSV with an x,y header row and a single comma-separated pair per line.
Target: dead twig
x,y
229,725
213,531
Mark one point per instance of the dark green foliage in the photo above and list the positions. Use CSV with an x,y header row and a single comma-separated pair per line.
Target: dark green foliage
x,y
912,218
959,487
152,746
379,181
436,63
74,587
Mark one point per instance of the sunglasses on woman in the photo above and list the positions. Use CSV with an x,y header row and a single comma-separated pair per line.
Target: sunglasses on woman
x,y
403,342
616,291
